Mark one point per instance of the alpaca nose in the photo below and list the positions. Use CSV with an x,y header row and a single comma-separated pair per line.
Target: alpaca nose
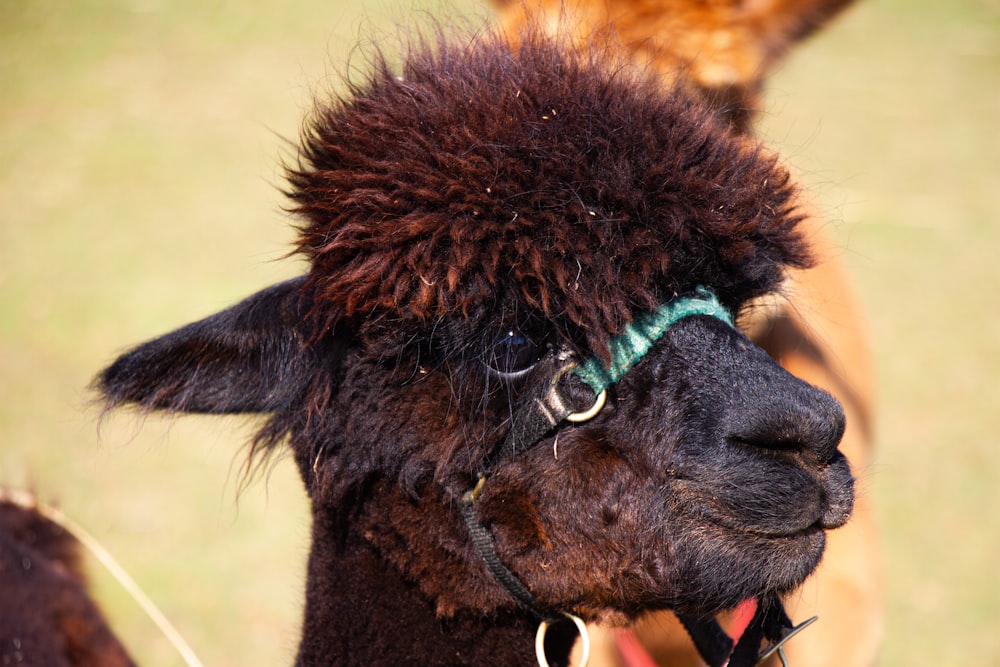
x,y
757,402
787,414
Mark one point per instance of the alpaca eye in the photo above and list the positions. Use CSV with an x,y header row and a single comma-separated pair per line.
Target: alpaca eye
x,y
513,354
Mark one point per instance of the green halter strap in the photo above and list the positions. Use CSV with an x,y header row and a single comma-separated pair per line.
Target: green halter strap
x,y
631,345
545,411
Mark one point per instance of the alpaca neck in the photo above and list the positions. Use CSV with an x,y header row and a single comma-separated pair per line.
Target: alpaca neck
x,y
361,611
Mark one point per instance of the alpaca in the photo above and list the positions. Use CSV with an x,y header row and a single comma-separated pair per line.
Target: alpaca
x,y
510,378
720,50
815,330
47,617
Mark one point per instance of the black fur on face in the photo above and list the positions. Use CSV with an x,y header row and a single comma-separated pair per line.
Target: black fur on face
x,y
458,231
709,477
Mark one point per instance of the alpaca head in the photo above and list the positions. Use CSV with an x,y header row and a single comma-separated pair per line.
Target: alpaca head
x,y
471,221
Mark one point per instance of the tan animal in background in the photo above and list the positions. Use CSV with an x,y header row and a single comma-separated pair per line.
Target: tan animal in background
x,y
723,50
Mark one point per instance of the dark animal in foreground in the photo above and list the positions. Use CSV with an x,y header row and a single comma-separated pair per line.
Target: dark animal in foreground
x,y
723,52
47,618
499,238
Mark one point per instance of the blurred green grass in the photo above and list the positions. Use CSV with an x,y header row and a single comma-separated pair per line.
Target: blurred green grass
x,y
140,145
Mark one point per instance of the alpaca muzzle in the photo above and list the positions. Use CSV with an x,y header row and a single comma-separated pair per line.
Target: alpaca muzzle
x,y
556,405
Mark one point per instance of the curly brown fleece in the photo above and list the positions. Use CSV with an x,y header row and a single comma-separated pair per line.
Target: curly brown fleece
x,y
537,171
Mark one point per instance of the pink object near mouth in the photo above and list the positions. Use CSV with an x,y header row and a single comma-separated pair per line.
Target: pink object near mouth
x,y
633,654
741,617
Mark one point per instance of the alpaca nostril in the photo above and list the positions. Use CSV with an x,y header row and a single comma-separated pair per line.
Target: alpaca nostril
x,y
826,424
800,419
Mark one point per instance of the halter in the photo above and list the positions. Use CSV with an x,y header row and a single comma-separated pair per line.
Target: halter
x,y
547,411
542,413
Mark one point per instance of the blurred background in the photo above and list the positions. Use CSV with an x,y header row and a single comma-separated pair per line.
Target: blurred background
x,y
140,152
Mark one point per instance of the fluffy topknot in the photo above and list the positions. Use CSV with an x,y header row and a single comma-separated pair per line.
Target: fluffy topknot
x,y
578,186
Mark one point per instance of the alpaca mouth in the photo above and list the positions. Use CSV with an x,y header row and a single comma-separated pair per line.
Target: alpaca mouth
x,y
830,510
790,533
793,533
775,511
792,524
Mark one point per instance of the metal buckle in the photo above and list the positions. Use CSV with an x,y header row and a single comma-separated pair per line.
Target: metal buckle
x,y
779,646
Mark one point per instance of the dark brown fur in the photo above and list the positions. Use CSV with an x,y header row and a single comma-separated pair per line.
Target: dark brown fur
x,y
47,617
403,213
723,51
461,220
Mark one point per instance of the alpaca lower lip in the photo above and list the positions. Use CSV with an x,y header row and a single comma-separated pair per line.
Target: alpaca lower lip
x,y
835,517
792,533
839,491
784,519
795,528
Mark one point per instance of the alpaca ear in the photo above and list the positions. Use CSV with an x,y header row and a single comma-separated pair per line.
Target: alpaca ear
x,y
252,357
795,20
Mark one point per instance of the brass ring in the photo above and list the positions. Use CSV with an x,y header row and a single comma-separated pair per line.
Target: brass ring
x,y
598,405
581,627
586,415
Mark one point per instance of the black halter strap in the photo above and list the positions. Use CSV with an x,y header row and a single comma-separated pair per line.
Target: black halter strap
x,y
538,416
770,623
482,541
540,413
